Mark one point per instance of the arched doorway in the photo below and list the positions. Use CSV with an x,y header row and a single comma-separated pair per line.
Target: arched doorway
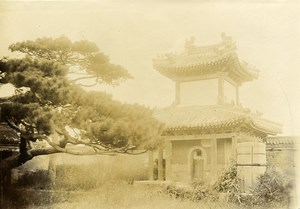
x,y
197,163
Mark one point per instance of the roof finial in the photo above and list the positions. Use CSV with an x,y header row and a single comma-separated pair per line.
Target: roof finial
x,y
227,41
225,37
189,43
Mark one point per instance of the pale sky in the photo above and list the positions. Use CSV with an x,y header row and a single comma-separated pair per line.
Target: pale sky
x,y
133,32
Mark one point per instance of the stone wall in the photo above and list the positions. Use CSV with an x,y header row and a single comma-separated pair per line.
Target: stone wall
x,y
281,153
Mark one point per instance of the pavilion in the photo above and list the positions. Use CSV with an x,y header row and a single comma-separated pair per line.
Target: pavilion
x,y
206,127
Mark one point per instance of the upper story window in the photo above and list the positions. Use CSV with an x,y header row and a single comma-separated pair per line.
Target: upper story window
x,y
201,92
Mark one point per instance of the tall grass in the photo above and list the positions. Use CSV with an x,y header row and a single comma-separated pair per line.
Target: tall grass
x,y
123,196
105,183
120,195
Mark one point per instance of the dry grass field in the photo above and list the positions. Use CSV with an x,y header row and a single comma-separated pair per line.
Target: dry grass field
x,y
105,184
120,195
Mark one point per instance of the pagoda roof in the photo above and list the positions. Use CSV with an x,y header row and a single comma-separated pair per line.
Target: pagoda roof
x,y
203,60
214,117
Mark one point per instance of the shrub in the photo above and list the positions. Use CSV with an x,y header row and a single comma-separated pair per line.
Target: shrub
x,y
197,192
178,192
272,186
229,183
202,191
38,179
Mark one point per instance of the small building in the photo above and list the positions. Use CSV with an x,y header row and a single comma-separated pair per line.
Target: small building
x,y
206,127
9,141
9,146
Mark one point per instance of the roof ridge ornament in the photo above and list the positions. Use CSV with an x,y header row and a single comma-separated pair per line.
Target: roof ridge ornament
x,y
225,37
197,61
228,42
189,43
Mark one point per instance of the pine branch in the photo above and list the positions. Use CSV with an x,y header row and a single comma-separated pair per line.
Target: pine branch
x,y
82,78
13,125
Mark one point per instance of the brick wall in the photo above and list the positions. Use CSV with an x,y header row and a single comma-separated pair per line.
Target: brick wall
x,y
281,154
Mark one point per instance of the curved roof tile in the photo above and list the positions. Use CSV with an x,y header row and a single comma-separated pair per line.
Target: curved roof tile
x,y
213,117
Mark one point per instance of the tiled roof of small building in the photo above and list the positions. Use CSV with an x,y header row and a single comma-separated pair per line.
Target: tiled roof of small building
x,y
8,136
214,117
205,59
282,140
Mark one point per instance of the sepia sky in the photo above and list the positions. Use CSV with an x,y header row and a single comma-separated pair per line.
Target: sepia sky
x,y
133,32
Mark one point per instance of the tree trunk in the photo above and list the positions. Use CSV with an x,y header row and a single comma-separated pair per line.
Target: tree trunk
x,y
52,168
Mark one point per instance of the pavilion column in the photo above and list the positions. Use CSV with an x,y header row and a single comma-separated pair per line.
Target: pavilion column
x,y
160,165
214,155
221,90
177,92
150,166
168,160
237,95
233,144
